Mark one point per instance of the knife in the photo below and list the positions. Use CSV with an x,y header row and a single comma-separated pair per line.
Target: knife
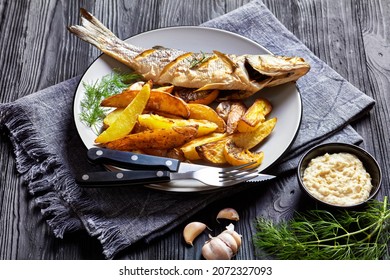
x,y
140,177
130,160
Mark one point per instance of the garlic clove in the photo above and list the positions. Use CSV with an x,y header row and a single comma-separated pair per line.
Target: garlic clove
x,y
192,230
229,240
237,237
229,214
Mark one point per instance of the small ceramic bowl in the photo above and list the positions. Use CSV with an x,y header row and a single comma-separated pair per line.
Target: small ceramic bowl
x,y
370,164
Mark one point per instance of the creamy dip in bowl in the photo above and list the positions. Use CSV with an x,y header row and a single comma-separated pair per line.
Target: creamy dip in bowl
x,y
339,174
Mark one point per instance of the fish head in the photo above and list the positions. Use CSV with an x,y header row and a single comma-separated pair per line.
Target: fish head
x,y
280,69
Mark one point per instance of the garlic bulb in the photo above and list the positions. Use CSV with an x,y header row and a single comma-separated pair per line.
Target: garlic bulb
x,y
224,246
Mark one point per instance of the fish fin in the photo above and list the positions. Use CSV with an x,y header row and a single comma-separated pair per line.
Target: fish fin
x,y
158,47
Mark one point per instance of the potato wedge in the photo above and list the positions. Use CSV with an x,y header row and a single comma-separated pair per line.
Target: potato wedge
x,y
125,121
189,149
155,139
169,153
237,110
158,101
237,156
152,121
111,117
213,152
163,114
248,140
255,114
204,112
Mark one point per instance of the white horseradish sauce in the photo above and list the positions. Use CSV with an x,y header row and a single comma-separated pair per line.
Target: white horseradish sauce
x,y
338,179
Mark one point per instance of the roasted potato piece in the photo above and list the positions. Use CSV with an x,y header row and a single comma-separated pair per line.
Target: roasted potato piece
x,y
248,140
189,149
204,112
169,153
205,97
158,101
152,121
176,153
237,156
162,138
255,114
223,109
125,121
111,117
213,152
237,110
163,114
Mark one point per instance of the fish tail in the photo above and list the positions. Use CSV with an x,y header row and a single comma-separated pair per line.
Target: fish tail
x,y
94,32
91,30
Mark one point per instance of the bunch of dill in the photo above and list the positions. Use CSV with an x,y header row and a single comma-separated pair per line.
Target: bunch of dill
x,y
321,235
113,83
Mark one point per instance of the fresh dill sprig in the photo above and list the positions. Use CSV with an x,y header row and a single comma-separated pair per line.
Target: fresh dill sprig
x,y
321,235
195,61
91,111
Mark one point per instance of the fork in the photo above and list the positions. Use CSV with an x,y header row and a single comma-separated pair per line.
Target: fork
x,y
212,176
220,177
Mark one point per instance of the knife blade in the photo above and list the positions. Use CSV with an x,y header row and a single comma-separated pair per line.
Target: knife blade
x,y
261,177
131,160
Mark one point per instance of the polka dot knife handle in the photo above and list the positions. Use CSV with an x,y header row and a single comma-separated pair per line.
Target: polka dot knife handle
x,y
130,160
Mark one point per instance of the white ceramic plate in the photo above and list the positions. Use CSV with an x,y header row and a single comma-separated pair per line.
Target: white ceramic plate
x,y
285,99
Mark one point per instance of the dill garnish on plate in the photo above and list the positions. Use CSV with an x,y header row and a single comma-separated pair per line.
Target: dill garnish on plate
x,y
322,235
91,111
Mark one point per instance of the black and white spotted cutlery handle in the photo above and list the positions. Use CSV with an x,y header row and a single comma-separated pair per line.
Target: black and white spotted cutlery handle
x,y
132,160
122,178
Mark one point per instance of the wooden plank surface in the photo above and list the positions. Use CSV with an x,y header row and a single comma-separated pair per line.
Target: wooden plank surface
x,y
36,51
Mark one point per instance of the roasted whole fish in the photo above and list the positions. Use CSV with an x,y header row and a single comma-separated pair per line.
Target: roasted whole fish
x,y
244,74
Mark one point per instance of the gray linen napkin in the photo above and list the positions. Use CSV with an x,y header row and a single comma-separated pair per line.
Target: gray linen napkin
x,y
48,150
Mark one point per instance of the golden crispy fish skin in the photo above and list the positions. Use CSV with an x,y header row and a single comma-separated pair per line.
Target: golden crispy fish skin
x,y
203,71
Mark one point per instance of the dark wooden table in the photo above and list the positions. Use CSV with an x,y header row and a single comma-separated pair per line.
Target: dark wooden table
x,y
36,51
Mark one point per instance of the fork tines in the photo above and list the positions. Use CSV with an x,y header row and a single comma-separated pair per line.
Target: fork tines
x,y
239,170
238,174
